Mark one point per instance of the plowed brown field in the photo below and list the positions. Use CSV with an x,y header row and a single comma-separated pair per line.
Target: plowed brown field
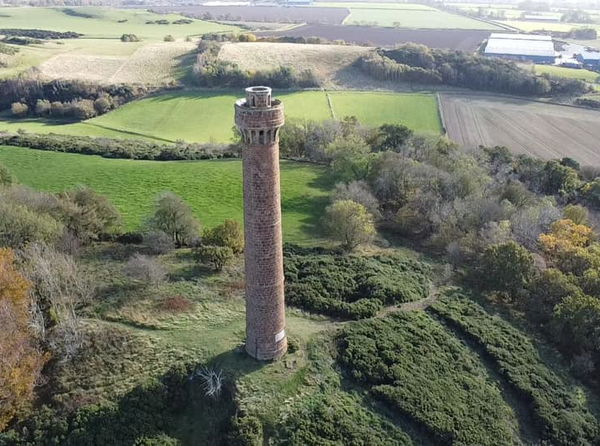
x,y
543,130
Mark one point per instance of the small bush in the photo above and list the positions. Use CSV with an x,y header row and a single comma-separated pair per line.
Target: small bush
x,y
158,242
145,269
216,256
169,38
176,304
230,234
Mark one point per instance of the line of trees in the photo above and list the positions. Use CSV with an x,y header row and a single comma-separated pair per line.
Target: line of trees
x,y
121,148
420,64
60,98
40,33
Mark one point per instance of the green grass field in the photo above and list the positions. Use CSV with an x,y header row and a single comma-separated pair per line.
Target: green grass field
x,y
202,116
413,18
104,22
404,15
571,73
212,188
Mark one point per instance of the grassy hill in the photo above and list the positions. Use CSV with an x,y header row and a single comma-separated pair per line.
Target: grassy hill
x,y
202,116
212,188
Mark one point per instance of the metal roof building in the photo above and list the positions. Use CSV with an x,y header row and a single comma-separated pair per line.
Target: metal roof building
x,y
527,47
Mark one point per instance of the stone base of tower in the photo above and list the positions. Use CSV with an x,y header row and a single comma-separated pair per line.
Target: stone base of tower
x,y
260,350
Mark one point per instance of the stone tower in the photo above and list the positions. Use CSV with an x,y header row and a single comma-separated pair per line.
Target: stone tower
x,y
259,118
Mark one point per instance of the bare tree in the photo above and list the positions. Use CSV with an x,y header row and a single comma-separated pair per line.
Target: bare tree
x,y
212,381
59,290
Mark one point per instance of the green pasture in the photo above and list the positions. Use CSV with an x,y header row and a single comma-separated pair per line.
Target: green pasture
x,y
571,73
212,188
204,116
416,111
104,22
529,26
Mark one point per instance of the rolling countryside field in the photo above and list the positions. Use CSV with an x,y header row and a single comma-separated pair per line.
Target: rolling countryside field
x,y
203,116
212,188
99,55
105,23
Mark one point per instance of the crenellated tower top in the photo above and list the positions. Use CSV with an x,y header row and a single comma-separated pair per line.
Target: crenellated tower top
x,y
259,117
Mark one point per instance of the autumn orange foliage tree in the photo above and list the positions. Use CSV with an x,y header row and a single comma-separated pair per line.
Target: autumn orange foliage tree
x,y
21,361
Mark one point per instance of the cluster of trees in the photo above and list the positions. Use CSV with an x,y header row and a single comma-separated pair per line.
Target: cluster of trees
x,y
210,71
39,33
121,148
519,226
351,287
130,38
418,63
16,40
583,33
78,99
43,290
577,16
249,37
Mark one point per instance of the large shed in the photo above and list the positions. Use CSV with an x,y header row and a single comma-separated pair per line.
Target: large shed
x,y
522,47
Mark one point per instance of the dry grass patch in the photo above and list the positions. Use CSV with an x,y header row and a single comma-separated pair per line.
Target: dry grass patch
x,y
326,61
153,64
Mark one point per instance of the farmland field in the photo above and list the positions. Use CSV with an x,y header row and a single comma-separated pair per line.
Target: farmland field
x,y
260,13
100,55
453,39
586,75
324,60
212,188
201,116
104,22
414,19
537,129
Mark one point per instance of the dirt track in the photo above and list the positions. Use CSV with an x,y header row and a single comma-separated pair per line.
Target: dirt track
x,y
542,130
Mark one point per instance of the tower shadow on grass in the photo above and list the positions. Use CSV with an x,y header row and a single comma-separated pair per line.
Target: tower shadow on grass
x,y
173,405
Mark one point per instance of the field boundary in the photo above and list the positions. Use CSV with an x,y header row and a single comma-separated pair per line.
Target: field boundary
x,y
330,103
441,114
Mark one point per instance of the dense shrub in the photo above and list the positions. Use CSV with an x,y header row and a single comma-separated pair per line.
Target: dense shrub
x,y
120,148
337,419
351,287
216,256
562,418
148,270
229,234
414,365
6,178
144,416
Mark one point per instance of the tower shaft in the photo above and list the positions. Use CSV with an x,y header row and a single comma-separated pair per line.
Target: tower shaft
x,y
259,119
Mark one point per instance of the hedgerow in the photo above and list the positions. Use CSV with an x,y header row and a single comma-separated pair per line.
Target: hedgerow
x,y
120,148
351,287
562,419
414,365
